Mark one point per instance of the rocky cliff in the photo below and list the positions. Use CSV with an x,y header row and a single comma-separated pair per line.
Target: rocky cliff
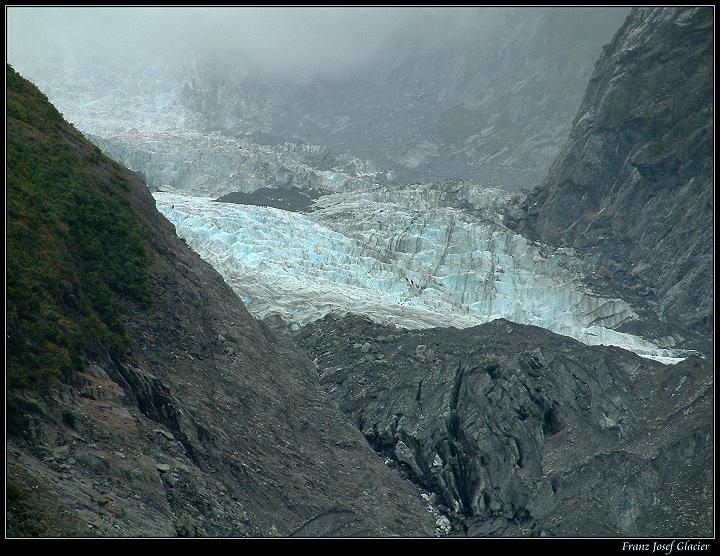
x,y
633,186
519,431
200,423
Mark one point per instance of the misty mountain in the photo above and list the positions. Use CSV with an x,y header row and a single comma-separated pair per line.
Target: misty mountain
x,y
489,99
481,94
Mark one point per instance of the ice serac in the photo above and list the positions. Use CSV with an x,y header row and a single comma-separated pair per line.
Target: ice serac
x,y
416,257
633,186
200,163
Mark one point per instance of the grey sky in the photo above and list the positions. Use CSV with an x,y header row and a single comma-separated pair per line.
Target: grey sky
x,y
290,41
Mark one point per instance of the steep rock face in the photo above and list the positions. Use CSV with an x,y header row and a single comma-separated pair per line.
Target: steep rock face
x,y
206,425
519,431
634,184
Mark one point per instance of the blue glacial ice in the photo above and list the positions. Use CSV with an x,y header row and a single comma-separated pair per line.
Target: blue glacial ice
x,y
399,256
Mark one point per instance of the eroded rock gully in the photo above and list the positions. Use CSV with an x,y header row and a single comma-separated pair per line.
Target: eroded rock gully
x,y
519,431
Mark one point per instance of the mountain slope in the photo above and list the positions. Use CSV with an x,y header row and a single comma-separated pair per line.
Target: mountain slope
x,y
634,184
75,249
202,422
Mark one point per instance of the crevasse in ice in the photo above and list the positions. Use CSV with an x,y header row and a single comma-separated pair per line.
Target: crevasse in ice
x,y
405,256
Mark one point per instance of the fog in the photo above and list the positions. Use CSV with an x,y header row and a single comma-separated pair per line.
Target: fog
x,y
428,92
283,41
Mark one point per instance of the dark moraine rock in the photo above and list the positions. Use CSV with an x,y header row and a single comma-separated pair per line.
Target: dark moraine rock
x,y
519,431
286,198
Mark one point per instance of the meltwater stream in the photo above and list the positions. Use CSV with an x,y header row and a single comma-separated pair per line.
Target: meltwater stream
x,y
399,256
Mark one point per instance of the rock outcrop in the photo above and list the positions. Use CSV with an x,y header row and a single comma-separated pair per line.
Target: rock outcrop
x,y
519,431
207,425
633,186
285,198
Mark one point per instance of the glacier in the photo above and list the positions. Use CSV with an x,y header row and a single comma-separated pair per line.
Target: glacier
x,y
419,256
212,164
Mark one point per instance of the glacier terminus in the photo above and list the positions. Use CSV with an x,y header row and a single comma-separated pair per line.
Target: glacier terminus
x,y
421,256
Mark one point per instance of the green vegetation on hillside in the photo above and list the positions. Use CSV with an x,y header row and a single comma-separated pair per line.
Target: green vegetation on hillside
x,y
75,249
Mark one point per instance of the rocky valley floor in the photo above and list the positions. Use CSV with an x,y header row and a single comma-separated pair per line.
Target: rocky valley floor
x,y
518,431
